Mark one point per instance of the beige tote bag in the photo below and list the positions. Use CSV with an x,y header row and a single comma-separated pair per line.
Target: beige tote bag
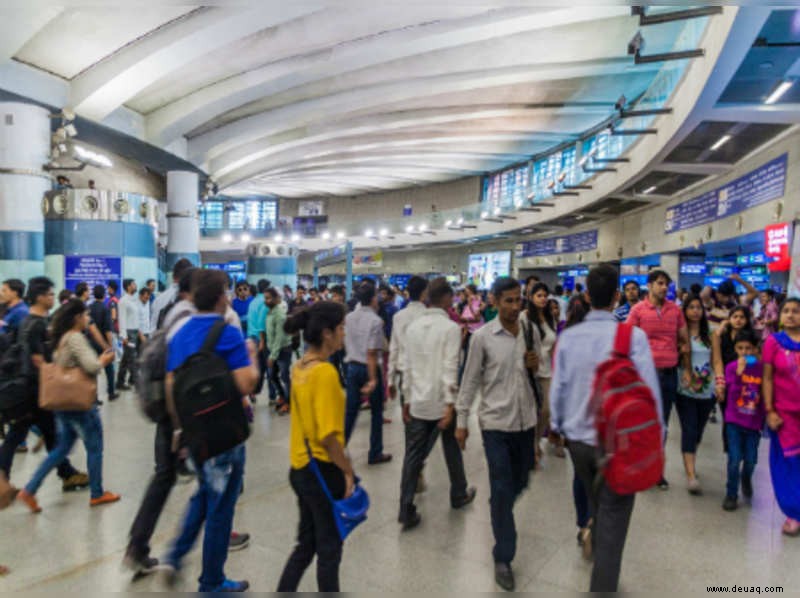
x,y
66,389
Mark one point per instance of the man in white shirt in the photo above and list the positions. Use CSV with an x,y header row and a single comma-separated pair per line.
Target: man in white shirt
x,y
144,314
430,384
129,334
417,287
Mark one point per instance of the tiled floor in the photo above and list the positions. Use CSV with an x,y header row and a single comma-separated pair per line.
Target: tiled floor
x,y
677,542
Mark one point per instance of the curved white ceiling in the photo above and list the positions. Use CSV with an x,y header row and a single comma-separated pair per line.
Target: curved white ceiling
x,y
323,97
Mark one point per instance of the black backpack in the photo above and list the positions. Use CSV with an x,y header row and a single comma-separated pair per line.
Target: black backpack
x,y
208,403
16,385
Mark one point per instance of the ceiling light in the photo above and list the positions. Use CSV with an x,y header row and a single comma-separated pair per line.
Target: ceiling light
x,y
649,190
484,214
579,216
368,233
460,221
340,234
497,211
383,232
326,235
720,142
245,238
84,155
410,228
295,238
423,227
227,238
279,238
448,224
779,91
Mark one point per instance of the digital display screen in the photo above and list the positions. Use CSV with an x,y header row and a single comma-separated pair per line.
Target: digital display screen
x,y
749,259
485,268
697,269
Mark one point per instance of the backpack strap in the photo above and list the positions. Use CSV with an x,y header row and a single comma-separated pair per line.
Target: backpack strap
x,y
622,341
213,336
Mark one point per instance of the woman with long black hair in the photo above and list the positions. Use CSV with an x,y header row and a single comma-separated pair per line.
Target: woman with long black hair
x,y
317,427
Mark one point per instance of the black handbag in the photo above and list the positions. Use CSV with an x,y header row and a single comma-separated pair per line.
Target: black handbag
x,y
527,332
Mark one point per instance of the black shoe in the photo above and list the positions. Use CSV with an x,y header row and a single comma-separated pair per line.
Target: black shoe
x,y
380,459
411,521
122,386
663,484
730,503
140,565
113,396
747,487
98,402
504,576
464,500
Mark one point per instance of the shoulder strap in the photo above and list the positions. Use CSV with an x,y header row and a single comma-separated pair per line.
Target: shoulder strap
x,y
213,336
527,332
622,341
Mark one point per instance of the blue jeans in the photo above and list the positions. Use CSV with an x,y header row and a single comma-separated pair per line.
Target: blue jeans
x,y
742,449
509,457
357,376
69,426
220,481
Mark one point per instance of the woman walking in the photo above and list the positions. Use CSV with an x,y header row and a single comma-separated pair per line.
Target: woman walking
x,y
696,388
317,427
73,350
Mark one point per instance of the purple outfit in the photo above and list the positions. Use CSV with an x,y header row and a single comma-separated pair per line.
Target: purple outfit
x,y
745,407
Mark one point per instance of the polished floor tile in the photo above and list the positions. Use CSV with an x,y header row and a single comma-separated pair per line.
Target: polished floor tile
x,y
677,542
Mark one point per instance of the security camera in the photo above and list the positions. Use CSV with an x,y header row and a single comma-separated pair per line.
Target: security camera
x,y
636,44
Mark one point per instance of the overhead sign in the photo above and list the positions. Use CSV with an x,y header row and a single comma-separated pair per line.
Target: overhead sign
x,y
368,258
573,243
91,269
331,256
753,189
776,246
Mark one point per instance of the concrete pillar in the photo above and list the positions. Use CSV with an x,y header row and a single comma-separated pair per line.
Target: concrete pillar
x,y
24,149
184,231
670,263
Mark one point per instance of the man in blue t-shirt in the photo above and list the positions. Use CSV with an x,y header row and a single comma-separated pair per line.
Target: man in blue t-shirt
x,y
11,293
220,478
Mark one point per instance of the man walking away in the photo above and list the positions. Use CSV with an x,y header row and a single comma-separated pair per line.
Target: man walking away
x,y
129,334
364,342
256,329
430,381
168,296
497,371
402,320
220,477
581,348
100,316
279,346
665,327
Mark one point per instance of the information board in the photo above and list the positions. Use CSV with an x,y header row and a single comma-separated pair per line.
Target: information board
x,y
91,269
753,189
573,243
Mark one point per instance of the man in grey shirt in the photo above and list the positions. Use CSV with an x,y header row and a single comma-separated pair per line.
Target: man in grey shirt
x,y
364,342
497,370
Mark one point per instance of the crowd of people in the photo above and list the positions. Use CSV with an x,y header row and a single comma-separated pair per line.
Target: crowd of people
x,y
522,357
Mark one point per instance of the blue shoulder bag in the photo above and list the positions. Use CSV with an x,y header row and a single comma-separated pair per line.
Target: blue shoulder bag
x,y
348,512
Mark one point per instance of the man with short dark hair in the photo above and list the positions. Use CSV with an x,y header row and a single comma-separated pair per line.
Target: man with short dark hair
x,y
665,327
34,338
279,349
581,348
429,362
417,287
337,293
257,311
129,334
497,371
82,291
100,316
150,284
364,342
144,316
168,297
631,290
11,293
220,477
112,303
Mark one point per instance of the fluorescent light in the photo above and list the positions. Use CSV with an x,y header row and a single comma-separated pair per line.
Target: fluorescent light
x,y
340,234
779,91
245,238
649,190
579,216
326,235
85,155
484,214
279,238
227,238
368,233
423,227
384,232
720,142
460,221
295,238
497,211
448,224
410,228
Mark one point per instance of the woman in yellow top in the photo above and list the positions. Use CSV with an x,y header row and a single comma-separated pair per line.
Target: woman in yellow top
x,y
317,416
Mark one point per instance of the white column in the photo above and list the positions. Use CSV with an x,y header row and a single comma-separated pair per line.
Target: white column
x,y
184,232
24,149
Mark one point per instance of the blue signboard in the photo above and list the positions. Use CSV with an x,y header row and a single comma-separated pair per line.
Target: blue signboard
x,y
573,243
91,269
753,189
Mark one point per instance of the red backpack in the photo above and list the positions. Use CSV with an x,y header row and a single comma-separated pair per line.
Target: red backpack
x,y
628,426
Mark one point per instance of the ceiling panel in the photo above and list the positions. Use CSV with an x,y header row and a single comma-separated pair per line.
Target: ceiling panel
x,y
744,138
665,183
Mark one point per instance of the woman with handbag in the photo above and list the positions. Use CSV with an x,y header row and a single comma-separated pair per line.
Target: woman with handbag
x,y
316,439
73,352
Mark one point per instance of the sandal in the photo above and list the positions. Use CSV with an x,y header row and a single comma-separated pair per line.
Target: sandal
x,y
791,527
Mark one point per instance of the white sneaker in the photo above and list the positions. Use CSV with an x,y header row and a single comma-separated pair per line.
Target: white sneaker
x,y
694,487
